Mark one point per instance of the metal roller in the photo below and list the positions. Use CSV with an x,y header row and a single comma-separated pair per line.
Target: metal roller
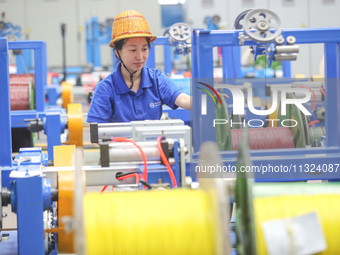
x,y
287,49
285,57
262,25
119,152
238,23
180,32
102,131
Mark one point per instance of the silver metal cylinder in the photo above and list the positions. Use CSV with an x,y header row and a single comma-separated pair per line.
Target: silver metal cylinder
x,y
95,175
120,152
287,49
285,57
112,130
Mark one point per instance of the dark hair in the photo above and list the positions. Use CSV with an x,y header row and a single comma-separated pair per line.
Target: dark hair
x,y
119,44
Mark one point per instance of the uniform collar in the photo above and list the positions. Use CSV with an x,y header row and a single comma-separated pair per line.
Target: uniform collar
x,y
120,84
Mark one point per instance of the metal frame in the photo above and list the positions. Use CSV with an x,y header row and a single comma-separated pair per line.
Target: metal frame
x,y
203,42
94,39
40,66
17,118
151,62
5,107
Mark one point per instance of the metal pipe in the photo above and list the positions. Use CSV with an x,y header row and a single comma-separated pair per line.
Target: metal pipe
x,y
63,30
97,175
285,57
128,152
287,48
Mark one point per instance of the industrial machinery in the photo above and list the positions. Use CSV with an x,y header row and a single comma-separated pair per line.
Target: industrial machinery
x,y
96,35
144,213
42,196
27,93
23,58
204,114
46,194
71,223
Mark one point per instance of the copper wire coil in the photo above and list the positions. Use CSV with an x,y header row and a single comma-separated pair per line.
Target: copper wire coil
x,y
265,138
19,95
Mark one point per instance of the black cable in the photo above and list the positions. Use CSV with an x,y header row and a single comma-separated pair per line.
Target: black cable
x,y
145,183
131,74
118,175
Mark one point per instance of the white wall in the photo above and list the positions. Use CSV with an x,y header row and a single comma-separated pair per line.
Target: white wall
x,y
293,14
41,20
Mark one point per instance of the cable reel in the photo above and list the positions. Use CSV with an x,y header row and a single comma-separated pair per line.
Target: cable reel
x,y
180,36
290,130
255,203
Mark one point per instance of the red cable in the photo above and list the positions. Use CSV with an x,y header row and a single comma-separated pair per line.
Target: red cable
x,y
305,87
123,139
93,82
166,163
129,176
322,91
122,178
313,122
104,188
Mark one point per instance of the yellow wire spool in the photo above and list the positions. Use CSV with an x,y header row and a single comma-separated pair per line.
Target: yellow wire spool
x,y
64,156
151,222
75,124
285,213
326,206
292,216
66,93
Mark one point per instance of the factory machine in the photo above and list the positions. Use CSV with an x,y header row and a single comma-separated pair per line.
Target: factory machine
x,y
175,42
42,196
57,213
261,31
28,110
23,58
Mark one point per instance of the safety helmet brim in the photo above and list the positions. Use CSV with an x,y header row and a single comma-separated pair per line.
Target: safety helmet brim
x,y
128,36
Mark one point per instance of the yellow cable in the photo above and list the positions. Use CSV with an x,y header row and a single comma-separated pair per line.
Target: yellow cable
x,y
150,222
327,207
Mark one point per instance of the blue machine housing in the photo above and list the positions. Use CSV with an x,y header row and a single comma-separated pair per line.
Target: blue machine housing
x,y
202,70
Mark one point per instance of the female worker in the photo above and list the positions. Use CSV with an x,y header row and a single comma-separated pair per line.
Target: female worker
x,y
133,91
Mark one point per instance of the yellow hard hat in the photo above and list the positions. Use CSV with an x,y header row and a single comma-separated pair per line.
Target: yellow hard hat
x,y
130,24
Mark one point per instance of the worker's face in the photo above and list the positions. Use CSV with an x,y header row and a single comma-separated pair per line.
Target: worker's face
x,y
134,53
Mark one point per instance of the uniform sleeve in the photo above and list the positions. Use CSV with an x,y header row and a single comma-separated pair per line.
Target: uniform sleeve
x,y
168,90
102,104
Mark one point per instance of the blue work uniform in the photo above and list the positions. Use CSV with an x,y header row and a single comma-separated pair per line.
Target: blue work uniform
x,y
113,101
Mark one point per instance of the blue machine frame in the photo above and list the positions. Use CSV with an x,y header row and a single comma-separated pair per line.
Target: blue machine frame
x,y
94,39
52,128
5,120
151,62
40,64
202,70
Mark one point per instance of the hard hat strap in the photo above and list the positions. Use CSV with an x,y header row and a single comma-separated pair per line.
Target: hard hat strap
x,y
131,74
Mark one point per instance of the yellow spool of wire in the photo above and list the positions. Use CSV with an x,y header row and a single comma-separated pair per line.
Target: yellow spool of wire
x,y
151,222
285,218
289,207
